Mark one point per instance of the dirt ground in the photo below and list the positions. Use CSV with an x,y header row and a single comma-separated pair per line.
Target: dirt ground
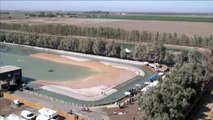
x,y
107,75
188,28
204,109
6,108
131,109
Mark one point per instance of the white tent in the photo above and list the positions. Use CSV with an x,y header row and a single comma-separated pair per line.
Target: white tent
x,y
147,83
157,64
153,66
127,93
163,77
127,50
144,89
146,63
160,73
151,84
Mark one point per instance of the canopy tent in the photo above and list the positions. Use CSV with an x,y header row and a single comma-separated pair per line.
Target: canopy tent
x,y
146,83
127,93
151,84
144,89
127,50
151,78
163,77
157,64
160,73
146,63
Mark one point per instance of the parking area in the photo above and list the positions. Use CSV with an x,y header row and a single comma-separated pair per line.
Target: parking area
x,y
7,108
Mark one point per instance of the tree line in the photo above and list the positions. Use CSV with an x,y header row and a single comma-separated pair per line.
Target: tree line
x,y
152,52
41,14
173,96
112,33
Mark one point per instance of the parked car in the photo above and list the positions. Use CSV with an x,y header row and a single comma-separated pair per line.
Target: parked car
x,y
28,115
16,102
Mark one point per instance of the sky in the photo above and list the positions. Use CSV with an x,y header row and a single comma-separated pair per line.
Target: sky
x,y
121,6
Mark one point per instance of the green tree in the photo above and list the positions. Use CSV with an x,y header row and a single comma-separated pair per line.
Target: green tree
x,y
99,47
140,52
123,54
86,46
169,58
173,95
2,37
115,51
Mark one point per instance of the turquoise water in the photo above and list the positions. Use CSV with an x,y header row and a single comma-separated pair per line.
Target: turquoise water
x,y
35,68
38,69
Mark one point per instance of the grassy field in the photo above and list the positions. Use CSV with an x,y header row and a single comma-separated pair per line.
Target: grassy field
x,y
188,28
163,18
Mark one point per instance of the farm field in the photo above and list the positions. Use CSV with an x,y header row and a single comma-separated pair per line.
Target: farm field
x,y
162,18
188,28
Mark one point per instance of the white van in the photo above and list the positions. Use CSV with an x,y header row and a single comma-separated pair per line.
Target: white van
x,y
28,115
40,117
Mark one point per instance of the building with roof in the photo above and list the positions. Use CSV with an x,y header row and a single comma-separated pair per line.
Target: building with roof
x,y
10,74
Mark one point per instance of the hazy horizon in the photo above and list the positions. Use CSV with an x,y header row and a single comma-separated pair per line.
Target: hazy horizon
x,y
111,6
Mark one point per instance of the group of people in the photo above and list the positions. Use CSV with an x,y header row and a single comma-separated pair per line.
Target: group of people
x,y
85,109
103,93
